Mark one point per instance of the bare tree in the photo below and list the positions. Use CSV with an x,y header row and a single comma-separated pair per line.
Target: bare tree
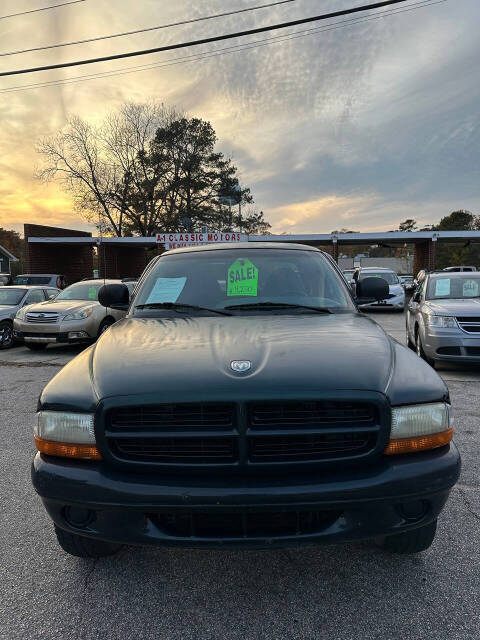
x,y
145,168
106,168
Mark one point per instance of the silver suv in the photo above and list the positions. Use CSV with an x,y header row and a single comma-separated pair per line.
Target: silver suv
x,y
74,316
12,299
443,317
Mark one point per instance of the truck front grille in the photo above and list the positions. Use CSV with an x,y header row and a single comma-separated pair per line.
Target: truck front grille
x,y
183,450
246,436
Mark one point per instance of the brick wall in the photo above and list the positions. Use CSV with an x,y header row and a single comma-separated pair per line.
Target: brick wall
x,y
121,262
75,262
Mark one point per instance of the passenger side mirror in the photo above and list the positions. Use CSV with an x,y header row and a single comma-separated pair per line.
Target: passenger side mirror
x,y
115,296
371,290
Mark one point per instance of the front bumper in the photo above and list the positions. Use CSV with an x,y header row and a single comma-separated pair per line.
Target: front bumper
x,y
399,493
60,332
452,344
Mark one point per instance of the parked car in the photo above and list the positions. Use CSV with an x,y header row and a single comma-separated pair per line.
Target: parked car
x,y
407,283
443,317
348,274
460,269
74,316
48,279
244,402
12,299
5,279
396,294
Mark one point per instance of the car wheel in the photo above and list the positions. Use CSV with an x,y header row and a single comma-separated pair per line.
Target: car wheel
x,y
413,541
419,349
36,346
105,324
6,335
82,547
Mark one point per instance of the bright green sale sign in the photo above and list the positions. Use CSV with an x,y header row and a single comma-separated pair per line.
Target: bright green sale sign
x,y
242,278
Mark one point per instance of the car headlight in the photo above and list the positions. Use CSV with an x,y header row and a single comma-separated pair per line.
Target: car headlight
x,y
442,322
69,435
78,315
21,314
420,427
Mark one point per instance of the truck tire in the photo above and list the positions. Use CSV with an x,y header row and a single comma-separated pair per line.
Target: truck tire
x,y
413,541
82,547
36,346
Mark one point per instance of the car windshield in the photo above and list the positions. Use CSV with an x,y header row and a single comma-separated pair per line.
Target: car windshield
x,y
453,288
31,280
83,291
251,280
389,276
11,297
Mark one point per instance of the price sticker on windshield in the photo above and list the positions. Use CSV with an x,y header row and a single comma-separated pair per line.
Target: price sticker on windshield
x,y
470,289
242,278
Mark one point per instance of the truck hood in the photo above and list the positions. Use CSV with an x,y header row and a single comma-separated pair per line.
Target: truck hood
x,y
291,356
460,307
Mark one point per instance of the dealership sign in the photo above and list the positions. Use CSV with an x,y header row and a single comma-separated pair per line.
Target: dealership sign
x,y
178,240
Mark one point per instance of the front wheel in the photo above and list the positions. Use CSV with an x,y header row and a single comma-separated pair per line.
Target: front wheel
x,y
419,349
413,541
82,547
6,335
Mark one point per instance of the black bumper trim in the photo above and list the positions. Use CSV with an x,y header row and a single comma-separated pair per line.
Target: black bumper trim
x,y
369,501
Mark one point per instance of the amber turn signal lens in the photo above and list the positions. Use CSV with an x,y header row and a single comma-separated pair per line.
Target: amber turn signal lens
x,y
419,443
65,450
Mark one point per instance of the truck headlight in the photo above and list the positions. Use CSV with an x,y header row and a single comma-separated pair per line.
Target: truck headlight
x,y
420,427
69,435
78,315
442,322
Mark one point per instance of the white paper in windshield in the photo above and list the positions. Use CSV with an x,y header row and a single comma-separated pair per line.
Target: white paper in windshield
x,y
442,287
166,290
470,289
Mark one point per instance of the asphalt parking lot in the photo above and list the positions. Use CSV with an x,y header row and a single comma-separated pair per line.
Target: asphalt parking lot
x,y
339,593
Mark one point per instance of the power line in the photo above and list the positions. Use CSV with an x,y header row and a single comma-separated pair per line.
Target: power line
x,y
162,26
225,50
195,43
53,6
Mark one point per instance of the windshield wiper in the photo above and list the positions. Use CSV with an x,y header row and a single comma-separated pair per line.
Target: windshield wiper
x,y
176,306
278,305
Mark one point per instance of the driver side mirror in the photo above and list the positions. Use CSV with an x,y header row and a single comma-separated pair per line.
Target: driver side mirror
x,y
115,296
371,290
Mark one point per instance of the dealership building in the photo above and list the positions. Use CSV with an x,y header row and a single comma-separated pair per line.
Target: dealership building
x,y
71,253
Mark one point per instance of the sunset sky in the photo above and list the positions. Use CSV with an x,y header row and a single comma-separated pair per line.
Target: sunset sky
x,y
358,127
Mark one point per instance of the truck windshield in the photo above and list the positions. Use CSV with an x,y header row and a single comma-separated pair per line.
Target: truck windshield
x,y
80,292
245,280
11,297
453,288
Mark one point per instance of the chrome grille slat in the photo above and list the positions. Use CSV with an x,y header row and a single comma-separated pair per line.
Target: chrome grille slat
x,y
41,318
469,324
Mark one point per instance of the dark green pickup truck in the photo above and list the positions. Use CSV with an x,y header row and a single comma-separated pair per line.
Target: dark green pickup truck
x,y
244,402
